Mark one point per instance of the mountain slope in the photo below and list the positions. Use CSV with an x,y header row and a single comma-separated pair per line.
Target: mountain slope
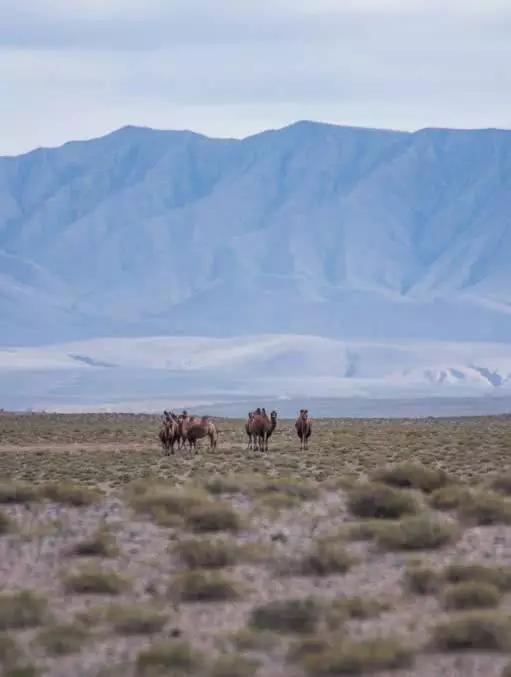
x,y
338,231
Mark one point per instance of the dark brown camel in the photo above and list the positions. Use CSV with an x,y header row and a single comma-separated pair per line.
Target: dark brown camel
x,y
168,432
303,428
185,421
262,428
199,428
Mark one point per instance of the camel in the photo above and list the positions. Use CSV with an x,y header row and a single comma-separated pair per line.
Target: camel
x,y
262,428
303,428
248,429
185,421
168,432
197,428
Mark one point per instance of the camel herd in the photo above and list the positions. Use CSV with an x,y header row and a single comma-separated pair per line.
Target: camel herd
x,y
185,429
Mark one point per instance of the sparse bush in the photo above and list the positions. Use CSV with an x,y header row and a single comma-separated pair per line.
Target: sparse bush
x,y
413,476
5,523
213,517
163,503
327,557
21,610
253,640
502,483
346,608
9,650
362,531
101,544
60,640
415,533
307,646
208,553
167,658
17,492
448,498
298,489
292,615
235,665
203,586
474,631
500,576
355,658
421,580
230,484
70,494
470,595
94,581
380,501
136,619
22,671
483,508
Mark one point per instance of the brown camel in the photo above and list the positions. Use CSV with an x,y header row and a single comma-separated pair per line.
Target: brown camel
x,y
168,432
185,421
262,428
303,428
248,429
199,428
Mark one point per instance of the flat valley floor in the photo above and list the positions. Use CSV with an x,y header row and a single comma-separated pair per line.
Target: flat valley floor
x,y
385,547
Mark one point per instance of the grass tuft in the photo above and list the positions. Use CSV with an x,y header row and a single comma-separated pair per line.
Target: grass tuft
x,y
61,640
484,508
499,576
95,581
235,665
5,523
470,595
326,558
70,494
168,659
203,586
100,544
473,631
21,610
413,476
356,658
17,492
415,533
291,615
448,498
422,580
214,516
373,500
136,619
208,553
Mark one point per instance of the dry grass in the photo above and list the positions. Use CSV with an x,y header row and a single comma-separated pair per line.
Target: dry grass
x,y
61,640
422,580
356,658
17,492
374,500
413,476
172,658
356,607
473,631
327,557
203,586
499,576
484,508
416,533
9,650
5,523
291,615
470,595
213,517
100,544
23,609
235,665
449,498
70,494
95,581
208,553
136,619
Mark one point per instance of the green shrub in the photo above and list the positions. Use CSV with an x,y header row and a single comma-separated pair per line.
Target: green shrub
x,y
380,501
291,615
474,631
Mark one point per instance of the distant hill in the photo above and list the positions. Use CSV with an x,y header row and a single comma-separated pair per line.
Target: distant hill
x,y
317,229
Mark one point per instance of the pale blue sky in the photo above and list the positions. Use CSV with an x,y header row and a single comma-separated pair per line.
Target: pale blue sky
x,y
80,68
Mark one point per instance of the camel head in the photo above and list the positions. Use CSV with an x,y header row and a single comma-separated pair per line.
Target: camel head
x,y
273,418
304,414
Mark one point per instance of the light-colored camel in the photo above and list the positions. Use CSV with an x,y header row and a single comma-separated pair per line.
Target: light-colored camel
x,y
199,428
262,428
248,429
303,428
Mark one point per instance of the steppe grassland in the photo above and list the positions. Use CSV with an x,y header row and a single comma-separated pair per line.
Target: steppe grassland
x,y
339,560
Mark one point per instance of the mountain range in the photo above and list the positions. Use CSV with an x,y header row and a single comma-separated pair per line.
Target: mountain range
x,y
347,233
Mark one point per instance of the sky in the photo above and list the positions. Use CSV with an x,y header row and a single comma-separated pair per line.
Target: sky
x,y
75,69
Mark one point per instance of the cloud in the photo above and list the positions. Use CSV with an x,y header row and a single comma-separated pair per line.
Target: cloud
x,y
77,69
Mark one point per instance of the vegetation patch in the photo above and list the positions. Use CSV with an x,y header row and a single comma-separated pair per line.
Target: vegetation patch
x,y
5,523
22,671
136,619
100,544
70,494
249,639
470,595
17,492
168,659
415,533
95,581
422,580
203,586
235,665
208,553
214,516
60,640
326,558
473,631
484,508
499,576
21,610
374,500
413,476
502,483
166,504
356,658
9,650
448,498
291,615
298,489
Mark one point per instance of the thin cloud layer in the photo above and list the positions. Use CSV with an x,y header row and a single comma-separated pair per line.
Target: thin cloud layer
x,y
75,70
